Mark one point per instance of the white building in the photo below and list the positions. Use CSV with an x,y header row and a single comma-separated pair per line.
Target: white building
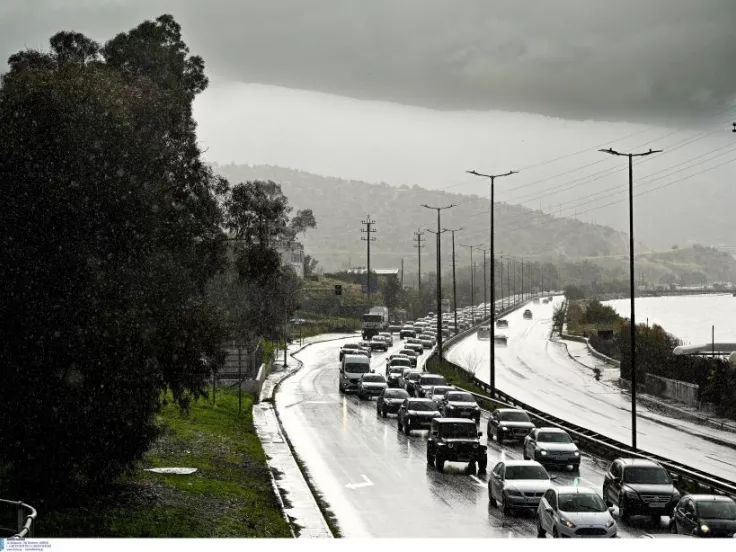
x,y
292,254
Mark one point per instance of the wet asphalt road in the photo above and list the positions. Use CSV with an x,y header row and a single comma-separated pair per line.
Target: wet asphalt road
x,y
540,373
377,480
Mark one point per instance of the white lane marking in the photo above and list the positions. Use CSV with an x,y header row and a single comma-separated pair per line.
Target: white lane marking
x,y
366,483
478,481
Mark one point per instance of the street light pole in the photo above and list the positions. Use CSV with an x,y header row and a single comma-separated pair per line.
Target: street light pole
x,y
485,285
439,274
632,290
492,178
472,280
454,286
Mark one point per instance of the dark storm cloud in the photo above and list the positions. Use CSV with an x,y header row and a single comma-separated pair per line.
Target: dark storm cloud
x,y
585,58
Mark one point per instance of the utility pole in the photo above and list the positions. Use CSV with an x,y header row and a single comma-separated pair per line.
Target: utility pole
x,y
439,274
472,280
485,286
368,238
454,286
632,286
402,273
418,243
492,178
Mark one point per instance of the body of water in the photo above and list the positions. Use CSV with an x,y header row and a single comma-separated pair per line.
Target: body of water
x,y
687,317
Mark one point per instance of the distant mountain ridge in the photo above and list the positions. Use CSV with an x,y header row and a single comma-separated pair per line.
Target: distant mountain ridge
x,y
340,205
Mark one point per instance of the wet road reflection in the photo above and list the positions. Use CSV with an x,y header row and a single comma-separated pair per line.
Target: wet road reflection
x,y
377,480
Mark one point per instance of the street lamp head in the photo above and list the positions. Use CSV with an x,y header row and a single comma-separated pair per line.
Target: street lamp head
x,y
734,127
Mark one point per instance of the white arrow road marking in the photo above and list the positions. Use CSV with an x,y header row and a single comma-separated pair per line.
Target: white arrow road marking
x,y
366,483
478,481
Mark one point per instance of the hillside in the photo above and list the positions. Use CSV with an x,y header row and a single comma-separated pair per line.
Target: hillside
x,y
340,205
686,266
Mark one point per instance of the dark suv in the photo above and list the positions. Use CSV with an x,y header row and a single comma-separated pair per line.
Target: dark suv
x,y
460,404
455,440
417,414
509,424
640,487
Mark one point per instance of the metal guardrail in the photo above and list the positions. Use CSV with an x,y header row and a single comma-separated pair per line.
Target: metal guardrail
x,y
25,514
600,445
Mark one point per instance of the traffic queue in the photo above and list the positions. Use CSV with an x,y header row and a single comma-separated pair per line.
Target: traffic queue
x,y
423,401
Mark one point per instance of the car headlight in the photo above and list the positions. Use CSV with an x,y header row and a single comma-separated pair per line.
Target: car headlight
x,y
476,407
704,528
543,452
610,523
504,428
577,453
511,492
631,494
567,523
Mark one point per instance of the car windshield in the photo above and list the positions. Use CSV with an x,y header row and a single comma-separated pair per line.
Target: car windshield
x,y
395,370
649,475
588,502
408,352
425,406
526,472
463,431
432,380
373,377
357,368
440,391
395,394
554,437
401,362
351,346
717,509
514,417
460,397
414,376
372,318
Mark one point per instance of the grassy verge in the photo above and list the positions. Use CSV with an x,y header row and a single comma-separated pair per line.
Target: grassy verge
x,y
230,495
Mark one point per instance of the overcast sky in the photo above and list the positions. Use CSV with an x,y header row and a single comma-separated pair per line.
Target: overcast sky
x,y
617,59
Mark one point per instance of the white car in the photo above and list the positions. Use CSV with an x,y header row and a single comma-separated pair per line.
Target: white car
x,y
574,512
387,337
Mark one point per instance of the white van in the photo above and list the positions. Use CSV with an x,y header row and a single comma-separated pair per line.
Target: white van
x,y
351,370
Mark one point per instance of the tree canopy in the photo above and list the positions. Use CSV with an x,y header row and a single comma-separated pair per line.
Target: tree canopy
x,y
112,232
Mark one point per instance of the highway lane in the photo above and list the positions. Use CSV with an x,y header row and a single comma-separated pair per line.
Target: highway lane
x,y
377,480
539,372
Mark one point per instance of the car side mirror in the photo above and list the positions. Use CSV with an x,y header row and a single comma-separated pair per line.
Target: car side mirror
x,y
611,509
480,434
553,478
576,441
549,510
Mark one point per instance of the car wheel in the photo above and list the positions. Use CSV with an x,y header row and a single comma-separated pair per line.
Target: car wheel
x,y
673,527
623,513
505,507
407,427
430,458
492,500
439,463
541,533
378,409
383,412
526,456
472,468
482,465
340,389
555,534
499,438
657,520
398,423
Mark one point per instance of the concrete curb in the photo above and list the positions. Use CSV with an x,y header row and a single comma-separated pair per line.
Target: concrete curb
x,y
311,523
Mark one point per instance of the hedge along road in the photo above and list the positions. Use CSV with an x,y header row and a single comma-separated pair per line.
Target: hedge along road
x,y
541,374
376,479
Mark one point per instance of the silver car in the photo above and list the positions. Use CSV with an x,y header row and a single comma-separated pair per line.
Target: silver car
x,y
574,512
551,446
518,485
